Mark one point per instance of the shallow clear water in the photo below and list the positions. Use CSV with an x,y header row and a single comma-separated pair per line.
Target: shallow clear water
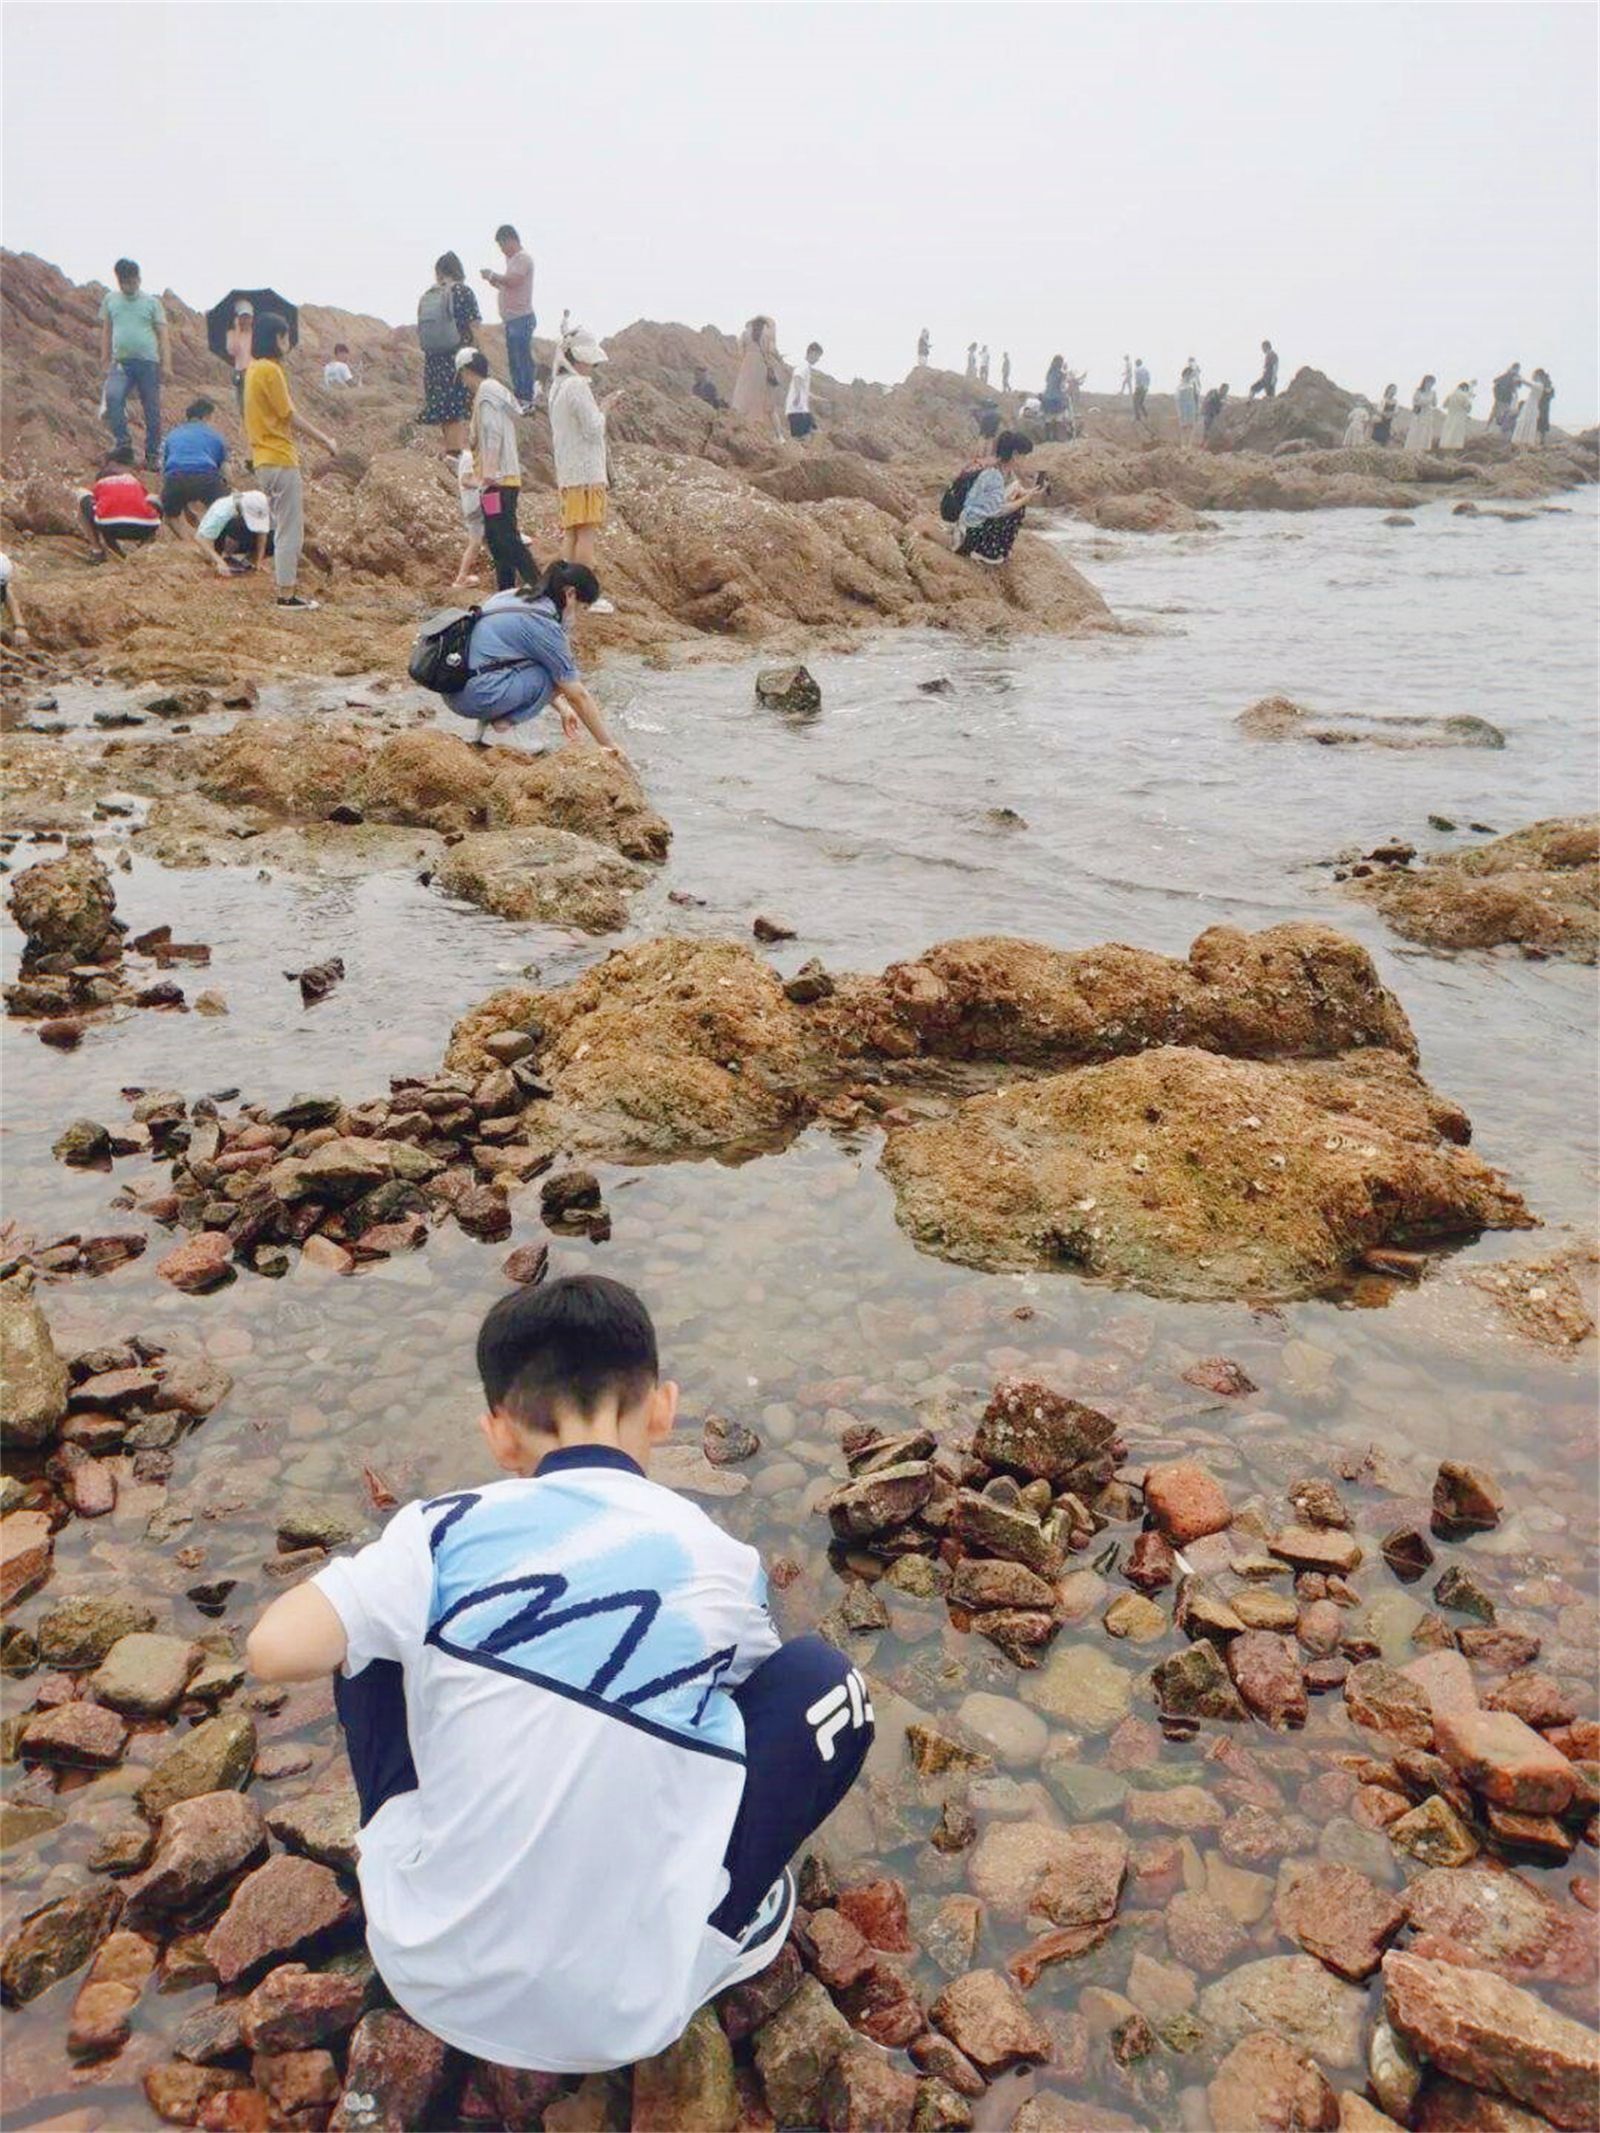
x,y
784,1292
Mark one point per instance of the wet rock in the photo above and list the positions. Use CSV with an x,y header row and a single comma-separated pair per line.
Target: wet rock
x,y
393,2077
527,1265
1492,2035
1386,1701
26,1552
65,906
795,2049
541,874
1007,1530
53,1940
788,689
1185,1502
882,1500
569,1193
1505,1760
33,1378
877,1909
1445,1679
1466,1499
1460,1590
204,1262
1034,1430
1279,718
1071,1876
145,1675
984,2017
1195,1684
1081,1688
1201,1934
217,1756
691,2083
1321,1548
179,2093
1150,1564
771,929
483,1213
809,984
1536,890
1339,1916
745,2008
85,1145
1446,2106
978,1584
1132,1616
1294,1996
274,1912
1503,1920
864,2093
1221,1375
1434,1833
1264,2085
1407,1553
203,1843
81,1735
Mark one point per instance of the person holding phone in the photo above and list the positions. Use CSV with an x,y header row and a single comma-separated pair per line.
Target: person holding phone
x,y
498,465
578,436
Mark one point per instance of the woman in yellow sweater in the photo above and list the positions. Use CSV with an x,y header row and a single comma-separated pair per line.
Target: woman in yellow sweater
x,y
271,424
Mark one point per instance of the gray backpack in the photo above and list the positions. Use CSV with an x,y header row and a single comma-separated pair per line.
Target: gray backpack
x,y
436,321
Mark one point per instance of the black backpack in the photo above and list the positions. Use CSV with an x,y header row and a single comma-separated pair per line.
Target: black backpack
x,y
956,495
439,658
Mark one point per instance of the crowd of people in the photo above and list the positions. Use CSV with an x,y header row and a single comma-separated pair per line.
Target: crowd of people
x,y
1520,412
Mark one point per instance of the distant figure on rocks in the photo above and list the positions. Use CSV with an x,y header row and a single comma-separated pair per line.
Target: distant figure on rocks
x,y
498,465
133,353
1388,407
236,533
514,293
1005,370
1211,409
338,374
972,361
519,660
1457,414
1424,413
1545,398
117,509
1527,431
924,346
1053,400
797,407
1141,389
1355,430
13,623
1188,401
991,514
237,341
469,497
271,426
1266,386
983,365
578,435
757,388
447,322
1127,375
1506,388
704,388
192,459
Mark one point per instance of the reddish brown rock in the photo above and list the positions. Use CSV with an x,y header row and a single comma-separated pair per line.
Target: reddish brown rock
x,y
1185,1502
1446,2106
1339,1916
984,2018
863,2093
1202,1934
294,2008
26,1548
1445,1679
743,2009
938,2057
1493,2035
840,1955
178,2093
52,1940
84,1734
297,2082
1323,1548
877,1909
1466,1499
1265,2086
203,1842
200,1263
274,1912
1433,1833
1150,1565
100,2020
1506,1761
394,2073
1382,1699
1043,1434
1266,1673
1071,1876
1537,1699
1504,1922
882,2005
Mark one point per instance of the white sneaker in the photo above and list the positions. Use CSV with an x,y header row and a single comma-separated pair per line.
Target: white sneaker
x,y
762,1940
602,607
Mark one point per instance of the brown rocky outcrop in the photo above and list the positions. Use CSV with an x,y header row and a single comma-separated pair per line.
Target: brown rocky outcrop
x,y
65,906
33,1377
1537,889
544,874
1280,718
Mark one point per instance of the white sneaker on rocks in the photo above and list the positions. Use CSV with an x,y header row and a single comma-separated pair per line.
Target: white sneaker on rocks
x,y
762,1940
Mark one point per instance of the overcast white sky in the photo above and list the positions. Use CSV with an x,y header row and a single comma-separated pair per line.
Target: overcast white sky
x,y
1384,189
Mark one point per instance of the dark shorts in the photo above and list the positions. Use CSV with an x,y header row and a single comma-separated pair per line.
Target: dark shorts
x,y
200,487
802,425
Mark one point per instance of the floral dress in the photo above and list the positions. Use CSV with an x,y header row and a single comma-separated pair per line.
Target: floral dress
x,y
444,397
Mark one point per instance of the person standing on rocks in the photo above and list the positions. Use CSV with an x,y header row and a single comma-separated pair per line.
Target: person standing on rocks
x,y
514,293
1527,431
1211,410
1355,430
498,466
583,1757
972,361
756,388
578,436
1141,389
1424,416
797,407
983,365
1546,396
192,459
470,498
237,341
1506,388
1005,370
337,376
1127,375
1266,386
1388,407
924,348
1188,401
272,425
1457,415
134,353
447,322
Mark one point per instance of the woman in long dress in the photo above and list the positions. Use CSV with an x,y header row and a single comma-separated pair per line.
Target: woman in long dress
x,y
1424,409
758,389
1188,401
1383,428
1457,414
1527,429
1355,430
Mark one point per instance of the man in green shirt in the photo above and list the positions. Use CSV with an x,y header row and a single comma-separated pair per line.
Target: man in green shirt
x,y
133,348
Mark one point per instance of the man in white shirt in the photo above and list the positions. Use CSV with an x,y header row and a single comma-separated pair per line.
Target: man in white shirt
x,y
798,405
514,293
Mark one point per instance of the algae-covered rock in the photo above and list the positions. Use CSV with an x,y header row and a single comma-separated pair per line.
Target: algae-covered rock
x,y
1537,889
544,874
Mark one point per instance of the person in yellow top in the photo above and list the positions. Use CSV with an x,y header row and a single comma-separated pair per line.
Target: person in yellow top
x,y
271,425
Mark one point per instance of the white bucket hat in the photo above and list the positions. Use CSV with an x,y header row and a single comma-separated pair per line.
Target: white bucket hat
x,y
580,346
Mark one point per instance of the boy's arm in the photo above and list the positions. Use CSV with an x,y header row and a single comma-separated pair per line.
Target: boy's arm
x,y
755,1632
299,1637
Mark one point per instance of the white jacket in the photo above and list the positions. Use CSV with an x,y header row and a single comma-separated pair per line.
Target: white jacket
x,y
577,433
494,434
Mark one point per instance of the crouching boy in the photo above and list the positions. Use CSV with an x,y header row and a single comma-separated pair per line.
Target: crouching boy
x,y
584,1759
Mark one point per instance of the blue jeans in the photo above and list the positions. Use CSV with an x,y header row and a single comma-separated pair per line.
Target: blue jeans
x,y
135,374
519,355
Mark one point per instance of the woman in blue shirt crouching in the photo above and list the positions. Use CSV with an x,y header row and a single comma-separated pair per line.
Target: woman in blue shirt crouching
x,y
520,659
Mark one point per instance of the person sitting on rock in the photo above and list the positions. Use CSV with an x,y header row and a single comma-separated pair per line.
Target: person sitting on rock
x,y
1211,409
236,533
117,509
991,516
519,660
704,388
583,1756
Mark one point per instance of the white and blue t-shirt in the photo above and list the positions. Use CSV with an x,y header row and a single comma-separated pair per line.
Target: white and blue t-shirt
x,y
568,1641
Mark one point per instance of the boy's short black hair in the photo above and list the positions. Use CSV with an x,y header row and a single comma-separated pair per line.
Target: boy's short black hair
x,y
197,410
505,234
581,1339
126,270
1012,444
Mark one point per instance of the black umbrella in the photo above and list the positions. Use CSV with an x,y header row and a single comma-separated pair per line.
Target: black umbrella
x,y
220,317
